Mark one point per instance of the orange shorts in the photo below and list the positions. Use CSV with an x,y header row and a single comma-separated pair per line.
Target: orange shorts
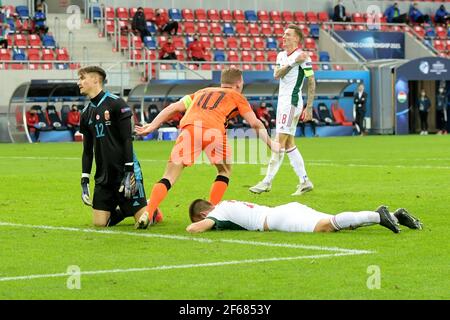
x,y
193,140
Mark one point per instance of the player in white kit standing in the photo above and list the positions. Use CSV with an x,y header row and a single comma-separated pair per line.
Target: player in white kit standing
x,y
291,217
292,67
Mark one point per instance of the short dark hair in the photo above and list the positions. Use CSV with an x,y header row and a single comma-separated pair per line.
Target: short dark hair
x,y
94,69
197,206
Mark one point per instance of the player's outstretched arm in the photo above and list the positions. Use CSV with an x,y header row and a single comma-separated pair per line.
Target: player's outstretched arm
x,y
260,129
162,117
200,226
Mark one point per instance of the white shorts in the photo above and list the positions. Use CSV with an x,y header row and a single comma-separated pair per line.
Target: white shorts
x,y
294,217
287,116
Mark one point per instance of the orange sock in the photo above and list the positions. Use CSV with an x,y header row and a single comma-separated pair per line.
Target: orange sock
x,y
218,189
159,192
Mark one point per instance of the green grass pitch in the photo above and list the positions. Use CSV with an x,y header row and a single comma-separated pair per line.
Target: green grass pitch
x,y
40,188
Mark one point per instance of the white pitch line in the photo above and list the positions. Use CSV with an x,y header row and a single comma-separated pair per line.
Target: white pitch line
x,y
324,163
173,237
171,267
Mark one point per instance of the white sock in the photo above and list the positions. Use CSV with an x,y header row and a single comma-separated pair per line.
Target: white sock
x,y
354,220
297,163
274,165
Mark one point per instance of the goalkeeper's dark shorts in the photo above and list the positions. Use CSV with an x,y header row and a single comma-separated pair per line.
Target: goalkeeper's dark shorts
x,y
107,198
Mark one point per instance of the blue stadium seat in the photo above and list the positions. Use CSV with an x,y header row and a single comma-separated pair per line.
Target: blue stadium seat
x,y
48,41
314,30
23,12
19,55
228,29
250,15
150,42
430,33
326,66
271,43
96,12
12,25
188,40
324,56
61,66
219,55
151,27
175,14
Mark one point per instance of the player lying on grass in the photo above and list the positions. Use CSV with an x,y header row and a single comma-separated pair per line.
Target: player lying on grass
x,y
291,217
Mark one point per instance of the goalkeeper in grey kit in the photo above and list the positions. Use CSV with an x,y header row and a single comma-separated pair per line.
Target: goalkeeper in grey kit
x,y
106,127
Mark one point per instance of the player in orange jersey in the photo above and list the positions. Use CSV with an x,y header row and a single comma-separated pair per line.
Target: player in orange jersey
x,y
203,128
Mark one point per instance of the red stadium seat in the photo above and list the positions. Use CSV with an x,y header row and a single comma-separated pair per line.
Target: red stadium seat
x,y
323,16
138,45
109,13
313,55
188,15
202,28
358,17
420,31
260,56
206,41
188,27
263,16
136,55
122,13
215,29
178,42
124,45
34,54
441,32
20,41
218,43
310,44
232,43
133,11
239,15
200,15
48,55
288,16
266,29
439,45
272,56
213,15
150,54
246,56
253,29
161,40
226,15
311,17
240,28
47,66
109,24
181,55
5,55
448,45
299,16
33,66
245,43
232,56
275,16
149,13
278,29
62,54
259,43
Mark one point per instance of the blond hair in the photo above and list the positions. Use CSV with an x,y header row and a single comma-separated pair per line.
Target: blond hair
x,y
231,76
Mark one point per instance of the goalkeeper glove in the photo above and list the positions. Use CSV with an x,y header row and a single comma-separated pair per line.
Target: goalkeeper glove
x,y
85,193
128,184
